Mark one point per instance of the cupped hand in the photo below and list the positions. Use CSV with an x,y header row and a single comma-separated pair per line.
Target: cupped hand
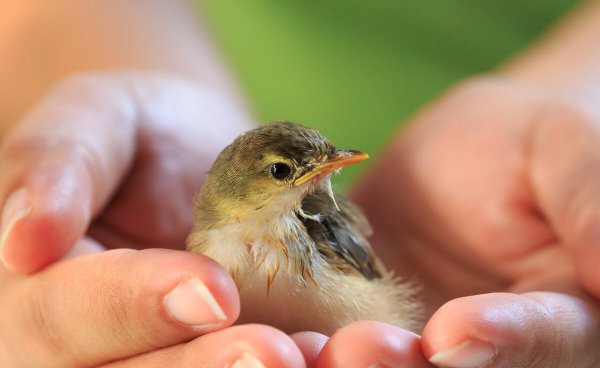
x,y
492,190
113,161
116,156
129,308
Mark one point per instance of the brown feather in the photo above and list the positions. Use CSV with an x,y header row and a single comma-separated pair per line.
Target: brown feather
x,y
340,236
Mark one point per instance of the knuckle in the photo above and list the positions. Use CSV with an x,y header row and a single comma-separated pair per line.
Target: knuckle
x,y
90,162
47,339
127,328
558,119
82,96
124,310
582,217
571,173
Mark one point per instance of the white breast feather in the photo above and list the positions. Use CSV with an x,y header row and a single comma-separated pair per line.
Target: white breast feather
x,y
250,250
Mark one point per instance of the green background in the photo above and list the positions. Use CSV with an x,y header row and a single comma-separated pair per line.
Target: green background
x,y
356,69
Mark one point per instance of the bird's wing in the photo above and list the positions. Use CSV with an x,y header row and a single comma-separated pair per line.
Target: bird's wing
x,y
340,236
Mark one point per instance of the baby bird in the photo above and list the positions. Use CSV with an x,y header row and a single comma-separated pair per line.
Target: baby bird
x,y
298,253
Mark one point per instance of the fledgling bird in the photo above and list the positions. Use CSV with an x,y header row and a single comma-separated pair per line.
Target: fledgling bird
x,y
297,252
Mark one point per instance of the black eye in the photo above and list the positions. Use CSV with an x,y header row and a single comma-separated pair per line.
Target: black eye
x,y
280,170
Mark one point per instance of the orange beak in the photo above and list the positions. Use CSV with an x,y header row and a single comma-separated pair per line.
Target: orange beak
x,y
340,159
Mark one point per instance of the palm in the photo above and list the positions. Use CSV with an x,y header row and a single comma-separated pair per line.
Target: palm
x,y
151,209
457,198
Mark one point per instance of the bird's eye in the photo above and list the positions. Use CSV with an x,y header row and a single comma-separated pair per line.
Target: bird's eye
x,y
280,170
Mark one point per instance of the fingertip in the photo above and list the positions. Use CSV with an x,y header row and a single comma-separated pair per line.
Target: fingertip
x,y
39,225
471,353
215,279
273,347
465,332
67,169
16,209
497,328
459,320
372,344
257,346
30,245
140,300
242,346
196,291
310,344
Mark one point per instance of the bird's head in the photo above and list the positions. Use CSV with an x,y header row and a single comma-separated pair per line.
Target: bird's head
x,y
270,168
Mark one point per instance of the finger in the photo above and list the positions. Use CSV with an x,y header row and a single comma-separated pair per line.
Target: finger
x,y
63,163
372,344
97,308
246,346
58,167
508,330
179,138
310,344
567,182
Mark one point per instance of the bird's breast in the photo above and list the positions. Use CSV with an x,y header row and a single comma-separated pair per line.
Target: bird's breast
x,y
274,246
285,282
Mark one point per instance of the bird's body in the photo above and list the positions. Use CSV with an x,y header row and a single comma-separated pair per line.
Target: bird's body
x,y
298,254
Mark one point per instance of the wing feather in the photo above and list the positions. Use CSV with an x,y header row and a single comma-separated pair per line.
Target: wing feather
x,y
340,235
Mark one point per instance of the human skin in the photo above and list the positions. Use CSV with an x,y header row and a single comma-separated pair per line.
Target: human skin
x,y
476,204
489,196
92,161
150,336
84,154
112,308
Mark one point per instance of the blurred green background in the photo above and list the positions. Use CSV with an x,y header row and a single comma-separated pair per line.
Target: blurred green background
x,y
356,69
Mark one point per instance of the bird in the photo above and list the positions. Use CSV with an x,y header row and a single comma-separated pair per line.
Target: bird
x,y
297,251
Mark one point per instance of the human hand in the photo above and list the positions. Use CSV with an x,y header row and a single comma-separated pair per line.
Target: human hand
x,y
492,189
117,156
122,154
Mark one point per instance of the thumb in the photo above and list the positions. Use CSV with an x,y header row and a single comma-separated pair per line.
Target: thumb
x,y
540,329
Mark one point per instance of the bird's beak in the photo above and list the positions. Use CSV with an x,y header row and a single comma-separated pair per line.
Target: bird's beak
x,y
339,159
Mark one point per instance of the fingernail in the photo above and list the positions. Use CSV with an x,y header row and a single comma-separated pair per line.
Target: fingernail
x,y
192,303
247,360
15,209
472,353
